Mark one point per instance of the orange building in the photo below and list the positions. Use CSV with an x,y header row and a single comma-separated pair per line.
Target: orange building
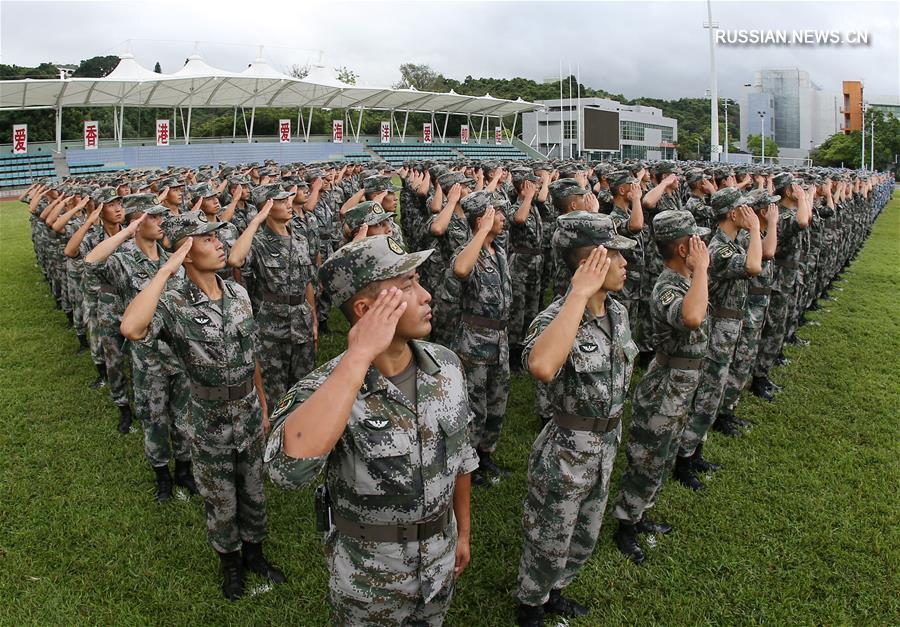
x,y
852,108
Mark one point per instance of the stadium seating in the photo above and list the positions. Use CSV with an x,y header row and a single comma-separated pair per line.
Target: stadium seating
x,y
22,170
396,154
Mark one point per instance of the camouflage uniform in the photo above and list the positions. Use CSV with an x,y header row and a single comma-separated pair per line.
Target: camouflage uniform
x,y
481,340
635,277
279,268
663,397
525,263
728,287
569,468
395,466
216,342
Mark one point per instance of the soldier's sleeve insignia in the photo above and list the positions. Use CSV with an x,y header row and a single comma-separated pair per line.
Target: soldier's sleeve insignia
x,y
201,319
725,252
667,297
283,405
378,424
395,247
588,347
489,270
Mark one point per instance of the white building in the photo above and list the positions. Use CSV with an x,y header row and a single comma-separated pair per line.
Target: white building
x,y
795,112
600,128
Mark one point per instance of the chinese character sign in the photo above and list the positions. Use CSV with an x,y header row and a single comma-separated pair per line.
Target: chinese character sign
x,y
284,131
337,131
464,134
426,133
20,139
162,132
385,132
498,135
91,135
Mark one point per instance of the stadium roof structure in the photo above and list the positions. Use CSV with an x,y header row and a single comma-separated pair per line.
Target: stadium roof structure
x,y
200,85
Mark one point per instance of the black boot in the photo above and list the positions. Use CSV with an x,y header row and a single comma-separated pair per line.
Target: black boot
x,y
323,327
684,472
83,344
625,538
782,360
796,341
232,575
558,604
488,465
70,320
530,615
725,426
163,483
774,388
644,358
815,306
479,478
100,381
700,464
657,528
125,418
759,388
184,477
255,562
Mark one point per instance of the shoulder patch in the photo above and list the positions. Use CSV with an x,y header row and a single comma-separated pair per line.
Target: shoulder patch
x,y
201,319
725,252
667,297
273,446
588,347
395,247
376,424
286,401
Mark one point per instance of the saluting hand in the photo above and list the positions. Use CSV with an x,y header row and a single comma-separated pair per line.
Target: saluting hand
x,y
486,221
177,258
135,224
591,273
698,255
747,218
373,333
361,233
94,218
260,217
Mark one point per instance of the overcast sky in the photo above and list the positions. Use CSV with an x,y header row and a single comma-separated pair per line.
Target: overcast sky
x,y
657,49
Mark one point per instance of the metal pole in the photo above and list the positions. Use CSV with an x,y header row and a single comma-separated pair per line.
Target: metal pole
x,y
862,155
560,111
569,79
579,118
872,146
174,123
59,129
726,130
252,120
234,124
187,134
405,120
121,124
713,87
762,135
444,134
299,121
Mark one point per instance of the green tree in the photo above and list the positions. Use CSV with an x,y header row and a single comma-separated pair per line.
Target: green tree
x,y
754,145
346,75
96,67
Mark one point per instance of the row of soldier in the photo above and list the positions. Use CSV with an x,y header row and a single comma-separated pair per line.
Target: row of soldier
x,y
224,279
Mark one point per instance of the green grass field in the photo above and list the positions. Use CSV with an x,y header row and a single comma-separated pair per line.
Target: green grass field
x,y
800,527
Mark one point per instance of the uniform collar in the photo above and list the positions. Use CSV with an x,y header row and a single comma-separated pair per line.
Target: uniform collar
x,y
426,364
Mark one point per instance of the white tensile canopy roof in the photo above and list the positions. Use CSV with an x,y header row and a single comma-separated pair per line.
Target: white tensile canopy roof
x,y
199,85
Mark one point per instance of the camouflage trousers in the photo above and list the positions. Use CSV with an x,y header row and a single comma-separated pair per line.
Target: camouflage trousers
x,y
745,352
113,345
231,484
446,321
57,272
773,333
488,388
526,294
391,583
76,299
161,404
662,401
723,337
796,307
568,484
283,363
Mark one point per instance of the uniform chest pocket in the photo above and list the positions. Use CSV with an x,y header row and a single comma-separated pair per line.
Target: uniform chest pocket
x,y
205,347
589,357
382,463
246,329
454,426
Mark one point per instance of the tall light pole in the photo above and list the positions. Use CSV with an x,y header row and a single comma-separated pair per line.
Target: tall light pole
x,y
762,134
713,85
726,130
862,126
872,146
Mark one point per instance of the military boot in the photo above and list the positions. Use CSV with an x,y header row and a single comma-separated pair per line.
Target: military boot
x,y
487,464
625,538
773,387
184,477
232,575
163,483
254,561
70,320
100,381
558,604
530,615
125,418
83,344
685,474
657,528
725,426
759,388
701,464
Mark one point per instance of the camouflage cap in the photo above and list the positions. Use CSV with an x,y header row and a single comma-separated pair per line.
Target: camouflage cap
x,y
132,203
695,175
169,182
106,195
238,179
354,266
449,179
369,212
377,184
583,228
313,174
475,204
675,224
759,198
273,191
617,178
666,167
203,190
565,187
726,199
187,224
784,179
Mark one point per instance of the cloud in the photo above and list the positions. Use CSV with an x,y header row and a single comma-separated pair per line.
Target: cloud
x,y
636,48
